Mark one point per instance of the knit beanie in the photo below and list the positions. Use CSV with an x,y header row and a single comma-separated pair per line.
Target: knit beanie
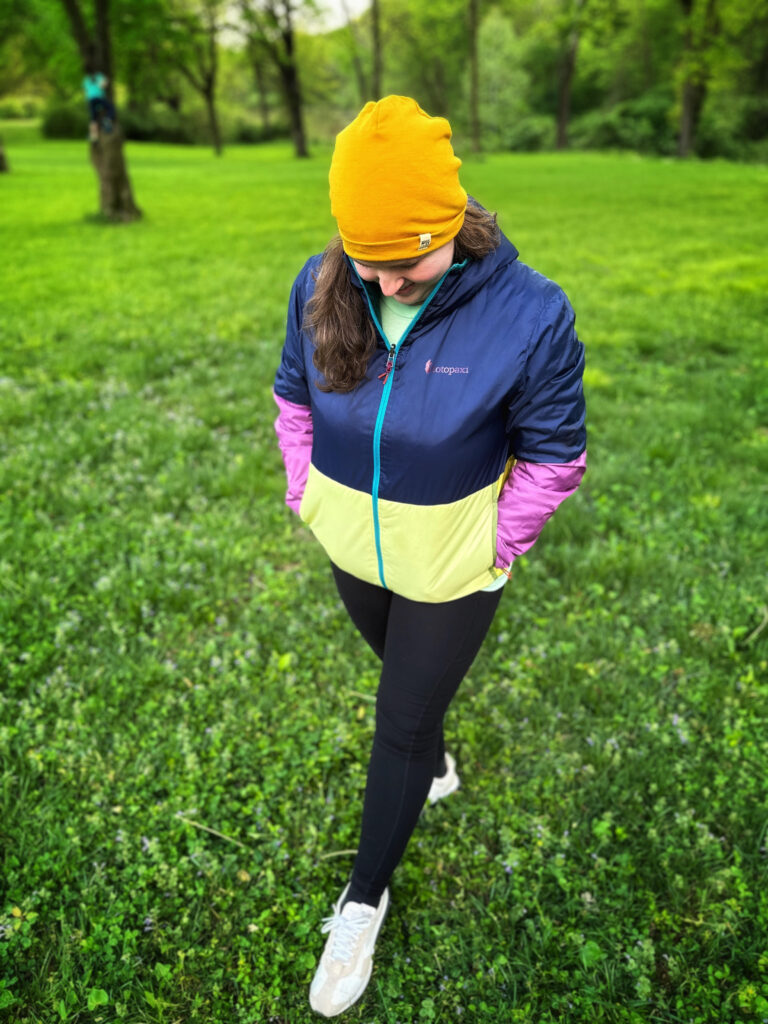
x,y
394,179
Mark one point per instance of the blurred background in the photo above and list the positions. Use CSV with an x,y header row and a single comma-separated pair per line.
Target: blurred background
x,y
658,76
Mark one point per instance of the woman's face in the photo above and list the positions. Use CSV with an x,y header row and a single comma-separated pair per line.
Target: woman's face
x,y
408,281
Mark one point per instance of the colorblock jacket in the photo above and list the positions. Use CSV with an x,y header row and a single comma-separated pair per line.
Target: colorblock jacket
x,y
430,478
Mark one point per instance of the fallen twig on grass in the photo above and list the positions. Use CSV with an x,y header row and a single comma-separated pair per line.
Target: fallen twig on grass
x,y
756,632
213,831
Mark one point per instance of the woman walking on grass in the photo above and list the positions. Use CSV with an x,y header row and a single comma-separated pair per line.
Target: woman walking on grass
x,y
431,421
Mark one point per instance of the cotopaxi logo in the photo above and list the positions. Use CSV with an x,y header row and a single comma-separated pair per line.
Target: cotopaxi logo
x,y
429,367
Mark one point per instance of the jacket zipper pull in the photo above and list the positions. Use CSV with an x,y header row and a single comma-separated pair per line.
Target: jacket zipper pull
x,y
390,363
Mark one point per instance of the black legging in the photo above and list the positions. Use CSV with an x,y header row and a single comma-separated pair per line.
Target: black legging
x,y
426,650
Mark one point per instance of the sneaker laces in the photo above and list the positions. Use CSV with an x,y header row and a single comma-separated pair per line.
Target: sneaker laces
x,y
346,932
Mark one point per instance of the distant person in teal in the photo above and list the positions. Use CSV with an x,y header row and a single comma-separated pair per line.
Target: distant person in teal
x,y
101,108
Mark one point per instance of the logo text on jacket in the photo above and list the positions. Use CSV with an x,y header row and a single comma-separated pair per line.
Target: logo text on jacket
x,y
429,367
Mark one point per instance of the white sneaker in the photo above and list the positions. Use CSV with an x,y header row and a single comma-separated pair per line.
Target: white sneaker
x,y
444,785
347,961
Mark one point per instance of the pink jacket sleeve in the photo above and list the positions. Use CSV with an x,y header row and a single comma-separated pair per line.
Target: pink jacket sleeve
x,y
294,435
529,497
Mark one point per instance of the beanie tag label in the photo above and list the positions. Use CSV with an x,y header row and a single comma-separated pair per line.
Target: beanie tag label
x,y
424,241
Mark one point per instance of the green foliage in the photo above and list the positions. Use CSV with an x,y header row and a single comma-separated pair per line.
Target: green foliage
x,y
250,132
158,124
186,711
645,124
731,125
426,55
20,107
504,83
632,59
65,121
530,134
162,125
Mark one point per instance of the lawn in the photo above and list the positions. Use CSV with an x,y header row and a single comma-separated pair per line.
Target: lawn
x,y
185,712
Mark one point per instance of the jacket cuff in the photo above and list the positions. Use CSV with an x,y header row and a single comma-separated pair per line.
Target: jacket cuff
x,y
530,496
294,435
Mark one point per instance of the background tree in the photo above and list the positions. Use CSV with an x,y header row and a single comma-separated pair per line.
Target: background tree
x,y
427,54
147,70
94,44
356,50
473,19
503,81
268,26
376,44
258,60
701,28
35,47
572,28
192,46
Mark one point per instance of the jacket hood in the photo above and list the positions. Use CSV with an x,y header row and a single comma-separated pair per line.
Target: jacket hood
x,y
459,285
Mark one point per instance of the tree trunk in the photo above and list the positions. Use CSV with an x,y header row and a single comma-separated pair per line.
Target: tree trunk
x,y
564,92
209,93
213,120
261,89
292,91
694,94
3,161
104,44
695,82
376,34
289,74
280,48
354,48
474,78
115,195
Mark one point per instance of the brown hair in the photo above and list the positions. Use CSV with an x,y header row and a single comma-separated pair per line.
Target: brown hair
x,y
345,337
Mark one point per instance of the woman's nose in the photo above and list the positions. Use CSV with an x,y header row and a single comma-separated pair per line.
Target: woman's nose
x,y
390,284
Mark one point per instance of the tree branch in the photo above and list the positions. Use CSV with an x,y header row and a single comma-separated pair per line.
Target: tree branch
x,y
79,29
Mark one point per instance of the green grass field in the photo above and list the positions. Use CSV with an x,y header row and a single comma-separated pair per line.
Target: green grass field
x,y
186,712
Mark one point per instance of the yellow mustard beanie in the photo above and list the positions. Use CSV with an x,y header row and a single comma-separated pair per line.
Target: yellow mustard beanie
x,y
394,179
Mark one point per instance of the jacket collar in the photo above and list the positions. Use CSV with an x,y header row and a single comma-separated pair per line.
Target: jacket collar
x,y
460,284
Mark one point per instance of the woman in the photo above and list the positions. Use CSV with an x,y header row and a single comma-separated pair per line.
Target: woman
x,y
431,421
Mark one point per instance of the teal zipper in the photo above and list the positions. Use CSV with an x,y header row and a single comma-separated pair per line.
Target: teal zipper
x,y
384,401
